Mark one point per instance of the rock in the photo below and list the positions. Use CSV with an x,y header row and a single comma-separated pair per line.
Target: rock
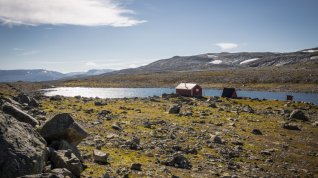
x,y
290,126
55,173
56,98
66,159
299,115
100,156
216,139
64,145
100,103
22,150
178,161
117,126
175,109
136,167
315,124
134,143
257,132
23,98
248,109
33,102
63,126
19,115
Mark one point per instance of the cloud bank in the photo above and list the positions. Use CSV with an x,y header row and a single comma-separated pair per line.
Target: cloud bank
x,y
227,46
66,12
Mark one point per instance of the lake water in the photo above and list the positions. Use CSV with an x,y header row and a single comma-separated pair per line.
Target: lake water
x,y
145,92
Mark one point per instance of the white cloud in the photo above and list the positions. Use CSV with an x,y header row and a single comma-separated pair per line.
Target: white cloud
x,y
29,53
227,46
70,12
91,64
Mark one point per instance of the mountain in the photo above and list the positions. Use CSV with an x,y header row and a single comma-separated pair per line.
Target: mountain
x,y
38,75
29,75
221,61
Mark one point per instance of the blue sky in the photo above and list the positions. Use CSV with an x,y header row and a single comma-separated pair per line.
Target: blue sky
x,y
77,35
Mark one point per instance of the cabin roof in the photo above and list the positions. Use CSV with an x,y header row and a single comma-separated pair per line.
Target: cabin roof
x,y
186,86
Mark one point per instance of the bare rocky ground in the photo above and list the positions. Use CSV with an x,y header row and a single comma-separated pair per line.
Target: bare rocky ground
x,y
167,136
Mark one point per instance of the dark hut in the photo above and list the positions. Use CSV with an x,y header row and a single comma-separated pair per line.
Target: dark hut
x,y
229,93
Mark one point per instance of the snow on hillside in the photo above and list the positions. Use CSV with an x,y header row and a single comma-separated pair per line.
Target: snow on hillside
x,y
216,62
249,60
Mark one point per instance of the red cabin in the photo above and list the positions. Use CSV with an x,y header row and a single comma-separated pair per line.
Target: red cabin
x,y
189,89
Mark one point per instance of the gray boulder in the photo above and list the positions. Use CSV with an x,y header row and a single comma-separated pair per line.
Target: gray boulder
x,y
22,150
19,114
178,161
100,156
23,98
174,109
33,102
299,115
63,126
66,159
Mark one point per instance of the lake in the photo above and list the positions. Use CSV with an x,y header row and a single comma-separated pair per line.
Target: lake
x,y
145,92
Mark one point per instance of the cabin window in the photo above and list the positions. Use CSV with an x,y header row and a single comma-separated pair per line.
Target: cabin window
x,y
197,90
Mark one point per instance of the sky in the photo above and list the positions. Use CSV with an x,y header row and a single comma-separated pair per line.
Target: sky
x,y
78,35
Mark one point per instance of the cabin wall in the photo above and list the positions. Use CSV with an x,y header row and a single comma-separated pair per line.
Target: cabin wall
x,y
183,92
197,91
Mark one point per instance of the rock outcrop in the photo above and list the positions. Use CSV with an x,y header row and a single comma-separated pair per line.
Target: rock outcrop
x,y
19,114
22,150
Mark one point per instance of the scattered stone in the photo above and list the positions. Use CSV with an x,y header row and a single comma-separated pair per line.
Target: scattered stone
x,y
117,126
248,109
216,139
315,124
178,161
136,167
257,132
22,150
66,159
64,145
19,115
55,173
175,109
63,126
290,126
56,98
100,156
299,115
134,143
100,103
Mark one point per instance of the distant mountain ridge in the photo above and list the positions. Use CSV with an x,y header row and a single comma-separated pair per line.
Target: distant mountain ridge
x,y
224,60
37,75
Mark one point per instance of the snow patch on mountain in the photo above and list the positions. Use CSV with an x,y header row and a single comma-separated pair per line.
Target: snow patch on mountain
x,y
216,62
249,60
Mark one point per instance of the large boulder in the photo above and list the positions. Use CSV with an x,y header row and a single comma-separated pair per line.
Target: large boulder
x,y
66,159
22,149
63,126
19,114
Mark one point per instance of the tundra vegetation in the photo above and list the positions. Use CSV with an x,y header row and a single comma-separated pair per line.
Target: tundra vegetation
x,y
170,135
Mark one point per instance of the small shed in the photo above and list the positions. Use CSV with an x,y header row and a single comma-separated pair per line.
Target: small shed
x,y
229,93
189,89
